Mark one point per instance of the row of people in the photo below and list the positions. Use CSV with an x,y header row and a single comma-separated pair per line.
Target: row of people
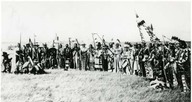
x,y
163,61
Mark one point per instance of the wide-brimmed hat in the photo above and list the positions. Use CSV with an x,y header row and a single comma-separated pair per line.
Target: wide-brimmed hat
x,y
19,52
127,44
27,45
5,54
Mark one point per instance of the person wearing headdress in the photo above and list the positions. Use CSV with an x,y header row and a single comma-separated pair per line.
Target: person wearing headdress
x,y
170,64
125,61
59,56
143,55
52,58
183,65
130,57
46,56
27,51
105,57
98,60
15,57
83,53
35,52
76,56
159,63
117,56
137,48
6,62
19,62
151,60
39,53
42,57
91,53
111,56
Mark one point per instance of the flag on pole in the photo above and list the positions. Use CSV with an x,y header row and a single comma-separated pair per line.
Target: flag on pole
x,y
139,24
149,29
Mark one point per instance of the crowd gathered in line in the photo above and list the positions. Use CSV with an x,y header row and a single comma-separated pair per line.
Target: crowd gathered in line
x,y
165,61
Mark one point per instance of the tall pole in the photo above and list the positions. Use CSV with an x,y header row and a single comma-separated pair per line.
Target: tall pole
x,y
34,39
20,42
70,42
167,83
99,36
93,40
20,39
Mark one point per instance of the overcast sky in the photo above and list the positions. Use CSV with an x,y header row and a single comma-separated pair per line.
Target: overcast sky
x,y
80,19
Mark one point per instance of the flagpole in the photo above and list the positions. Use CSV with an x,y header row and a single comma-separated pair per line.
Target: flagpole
x,y
141,35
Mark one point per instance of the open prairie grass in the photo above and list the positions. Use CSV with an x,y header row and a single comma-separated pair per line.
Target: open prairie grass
x,y
83,86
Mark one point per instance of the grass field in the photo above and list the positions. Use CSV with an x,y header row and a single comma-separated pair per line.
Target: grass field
x,y
83,86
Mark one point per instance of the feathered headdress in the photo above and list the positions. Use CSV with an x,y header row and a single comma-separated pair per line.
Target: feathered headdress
x,y
175,38
182,43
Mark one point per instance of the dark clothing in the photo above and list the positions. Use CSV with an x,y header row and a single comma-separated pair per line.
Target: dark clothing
x,y
76,57
104,57
7,64
67,53
143,55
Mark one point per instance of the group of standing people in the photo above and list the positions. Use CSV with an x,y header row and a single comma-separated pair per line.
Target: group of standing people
x,y
164,61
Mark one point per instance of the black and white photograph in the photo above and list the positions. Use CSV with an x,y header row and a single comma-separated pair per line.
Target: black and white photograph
x,y
95,51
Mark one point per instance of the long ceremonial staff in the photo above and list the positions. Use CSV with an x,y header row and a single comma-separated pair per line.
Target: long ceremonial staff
x,y
166,37
70,42
80,52
164,64
104,43
20,42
